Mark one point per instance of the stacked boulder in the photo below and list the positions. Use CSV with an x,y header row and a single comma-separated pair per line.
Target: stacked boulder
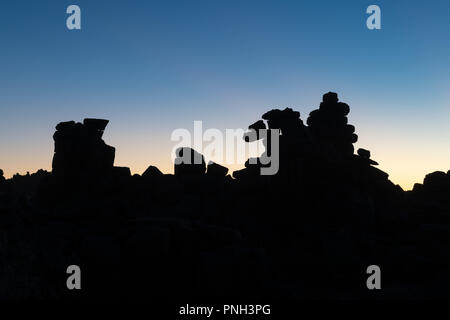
x,y
80,149
364,156
287,120
327,137
292,141
328,125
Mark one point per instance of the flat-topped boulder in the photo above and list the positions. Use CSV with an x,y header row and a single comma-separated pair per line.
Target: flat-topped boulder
x,y
80,149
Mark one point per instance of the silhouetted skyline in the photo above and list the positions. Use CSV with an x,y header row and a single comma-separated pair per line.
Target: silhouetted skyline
x,y
151,67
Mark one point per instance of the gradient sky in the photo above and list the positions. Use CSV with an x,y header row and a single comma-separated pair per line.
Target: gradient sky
x,y
153,66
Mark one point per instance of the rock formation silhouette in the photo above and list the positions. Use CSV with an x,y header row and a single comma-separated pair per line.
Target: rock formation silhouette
x,y
80,150
310,231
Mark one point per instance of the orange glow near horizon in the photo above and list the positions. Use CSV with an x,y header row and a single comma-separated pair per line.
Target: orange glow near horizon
x,y
405,165
403,150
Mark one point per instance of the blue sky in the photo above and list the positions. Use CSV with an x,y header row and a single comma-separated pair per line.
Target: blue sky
x,y
153,66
